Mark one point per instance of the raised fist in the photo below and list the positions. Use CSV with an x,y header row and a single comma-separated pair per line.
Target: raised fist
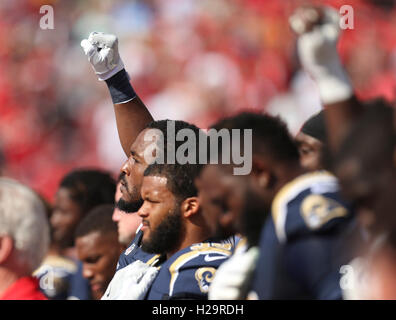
x,y
318,31
102,52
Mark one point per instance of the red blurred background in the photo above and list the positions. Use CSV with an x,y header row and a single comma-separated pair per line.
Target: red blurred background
x,y
190,60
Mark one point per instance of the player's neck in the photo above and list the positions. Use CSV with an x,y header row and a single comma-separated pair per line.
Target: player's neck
x,y
288,172
7,278
193,234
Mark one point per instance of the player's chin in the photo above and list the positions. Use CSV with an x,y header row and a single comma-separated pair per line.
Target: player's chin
x,y
146,234
97,290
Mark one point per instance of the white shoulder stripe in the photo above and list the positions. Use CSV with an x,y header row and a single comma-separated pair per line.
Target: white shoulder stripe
x,y
188,256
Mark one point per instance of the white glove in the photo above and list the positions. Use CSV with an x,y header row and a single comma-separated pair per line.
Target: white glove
x,y
102,52
317,49
232,279
131,282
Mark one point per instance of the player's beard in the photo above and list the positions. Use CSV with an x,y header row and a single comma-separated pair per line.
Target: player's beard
x,y
129,206
253,217
167,235
134,201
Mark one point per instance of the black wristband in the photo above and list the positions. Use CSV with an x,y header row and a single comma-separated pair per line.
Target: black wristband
x,y
120,87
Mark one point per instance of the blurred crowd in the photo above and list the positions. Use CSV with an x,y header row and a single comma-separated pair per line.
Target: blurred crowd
x,y
190,60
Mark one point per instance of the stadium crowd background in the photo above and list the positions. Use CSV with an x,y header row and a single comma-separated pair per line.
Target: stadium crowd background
x,y
190,60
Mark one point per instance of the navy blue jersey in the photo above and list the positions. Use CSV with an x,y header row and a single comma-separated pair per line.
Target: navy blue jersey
x,y
189,272
134,252
300,241
55,275
80,289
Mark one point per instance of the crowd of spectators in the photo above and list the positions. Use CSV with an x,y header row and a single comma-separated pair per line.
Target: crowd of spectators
x,y
190,60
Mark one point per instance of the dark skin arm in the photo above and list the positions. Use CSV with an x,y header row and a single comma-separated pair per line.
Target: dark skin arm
x,y
131,118
339,118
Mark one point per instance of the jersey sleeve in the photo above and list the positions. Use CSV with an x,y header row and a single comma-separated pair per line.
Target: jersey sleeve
x,y
192,281
307,206
189,273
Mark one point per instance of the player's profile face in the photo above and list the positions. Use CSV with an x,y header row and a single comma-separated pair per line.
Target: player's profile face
x,y
310,150
127,223
99,254
64,218
215,192
161,217
133,169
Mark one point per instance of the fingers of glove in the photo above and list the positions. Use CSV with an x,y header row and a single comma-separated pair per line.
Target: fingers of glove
x,y
304,19
307,19
243,262
224,293
136,271
88,48
331,27
109,59
150,274
103,40
148,277
253,254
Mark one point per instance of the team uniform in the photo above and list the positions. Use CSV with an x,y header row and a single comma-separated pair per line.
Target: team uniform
x,y
133,252
189,272
301,247
177,277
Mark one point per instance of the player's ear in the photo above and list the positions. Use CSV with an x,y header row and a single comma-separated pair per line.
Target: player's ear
x,y
6,247
190,207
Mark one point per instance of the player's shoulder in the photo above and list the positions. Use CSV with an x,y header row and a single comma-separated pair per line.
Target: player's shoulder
x,y
200,254
189,272
309,203
134,253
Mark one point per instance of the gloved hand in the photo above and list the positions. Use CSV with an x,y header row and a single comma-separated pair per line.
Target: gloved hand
x,y
318,31
102,52
232,278
131,282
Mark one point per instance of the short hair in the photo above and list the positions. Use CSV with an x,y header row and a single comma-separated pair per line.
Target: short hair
x,y
180,177
162,125
269,134
90,188
23,217
99,219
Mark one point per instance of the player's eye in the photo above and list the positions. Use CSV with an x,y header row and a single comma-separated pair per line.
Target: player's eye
x,y
220,204
304,150
93,259
151,200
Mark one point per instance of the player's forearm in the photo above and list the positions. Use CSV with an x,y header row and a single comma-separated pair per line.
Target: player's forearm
x,y
131,114
339,118
131,117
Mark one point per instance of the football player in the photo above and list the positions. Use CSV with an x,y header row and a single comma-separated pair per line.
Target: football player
x,y
173,226
98,248
133,122
361,138
304,218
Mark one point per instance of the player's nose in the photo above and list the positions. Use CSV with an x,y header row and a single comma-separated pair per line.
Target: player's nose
x,y
87,272
116,215
125,168
143,211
